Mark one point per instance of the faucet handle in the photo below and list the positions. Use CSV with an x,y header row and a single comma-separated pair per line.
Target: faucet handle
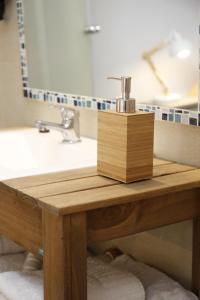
x,y
68,113
70,119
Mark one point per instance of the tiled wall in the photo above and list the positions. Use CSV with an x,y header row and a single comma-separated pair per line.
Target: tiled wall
x,y
168,248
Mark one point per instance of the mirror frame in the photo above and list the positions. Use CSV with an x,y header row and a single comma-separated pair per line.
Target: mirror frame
x,y
173,115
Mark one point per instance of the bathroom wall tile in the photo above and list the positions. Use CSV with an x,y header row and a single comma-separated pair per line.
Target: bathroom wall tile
x,y
185,119
177,118
193,121
171,117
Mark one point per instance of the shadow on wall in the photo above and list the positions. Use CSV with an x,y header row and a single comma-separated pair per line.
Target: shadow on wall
x,y
171,257
2,9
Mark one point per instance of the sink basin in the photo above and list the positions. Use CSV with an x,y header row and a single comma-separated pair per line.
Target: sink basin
x,y
25,152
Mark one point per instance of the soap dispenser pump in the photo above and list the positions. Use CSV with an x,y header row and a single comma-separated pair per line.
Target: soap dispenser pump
x,y
125,139
125,104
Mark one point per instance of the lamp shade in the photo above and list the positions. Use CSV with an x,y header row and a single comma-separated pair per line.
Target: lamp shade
x,y
178,46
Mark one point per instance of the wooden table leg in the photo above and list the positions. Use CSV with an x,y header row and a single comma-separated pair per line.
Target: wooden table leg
x,y
65,257
79,256
196,257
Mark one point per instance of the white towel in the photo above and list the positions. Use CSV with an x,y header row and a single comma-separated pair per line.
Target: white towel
x,y
11,262
158,286
104,283
21,286
2,297
8,247
32,263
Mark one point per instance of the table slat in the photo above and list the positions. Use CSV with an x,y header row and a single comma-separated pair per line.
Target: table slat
x,y
69,186
91,182
38,180
122,193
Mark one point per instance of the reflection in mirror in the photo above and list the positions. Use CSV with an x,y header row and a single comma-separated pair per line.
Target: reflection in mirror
x,y
74,45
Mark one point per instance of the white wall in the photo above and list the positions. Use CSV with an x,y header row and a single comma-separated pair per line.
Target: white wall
x,y
130,27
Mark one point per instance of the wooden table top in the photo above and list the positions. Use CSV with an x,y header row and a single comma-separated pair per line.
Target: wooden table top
x,y
80,190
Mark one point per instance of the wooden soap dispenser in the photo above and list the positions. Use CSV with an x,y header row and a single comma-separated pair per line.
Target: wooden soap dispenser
x,y
125,139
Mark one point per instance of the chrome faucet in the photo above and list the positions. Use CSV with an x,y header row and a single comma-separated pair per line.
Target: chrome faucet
x,y
69,127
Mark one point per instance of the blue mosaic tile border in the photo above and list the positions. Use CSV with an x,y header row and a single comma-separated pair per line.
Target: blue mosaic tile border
x,y
173,115
180,116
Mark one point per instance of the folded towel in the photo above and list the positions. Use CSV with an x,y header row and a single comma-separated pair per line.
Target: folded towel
x,y
104,283
35,262
21,286
32,263
8,247
158,286
11,262
2,297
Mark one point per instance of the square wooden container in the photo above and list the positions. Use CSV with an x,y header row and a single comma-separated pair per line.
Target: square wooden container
x,y
125,145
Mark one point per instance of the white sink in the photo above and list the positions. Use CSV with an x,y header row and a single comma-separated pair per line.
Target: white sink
x,y
25,152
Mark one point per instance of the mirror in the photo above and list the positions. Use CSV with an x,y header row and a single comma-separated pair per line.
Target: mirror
x,y
74,45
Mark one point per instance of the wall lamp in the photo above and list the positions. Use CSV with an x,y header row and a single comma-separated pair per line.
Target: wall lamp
x,y
177,47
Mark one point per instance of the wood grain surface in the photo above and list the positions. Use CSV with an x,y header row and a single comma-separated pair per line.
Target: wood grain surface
x,y
79,190
61,212
125,145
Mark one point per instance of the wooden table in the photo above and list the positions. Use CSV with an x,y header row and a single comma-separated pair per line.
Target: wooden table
x,y
61,212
